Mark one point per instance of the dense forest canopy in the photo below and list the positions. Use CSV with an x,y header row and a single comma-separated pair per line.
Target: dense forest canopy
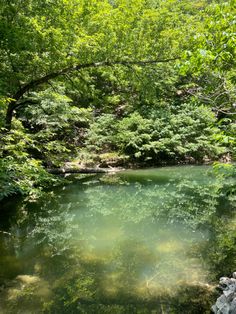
x,y
99,84
144,81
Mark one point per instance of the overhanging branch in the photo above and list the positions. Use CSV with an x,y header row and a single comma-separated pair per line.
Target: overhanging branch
x,y
44,79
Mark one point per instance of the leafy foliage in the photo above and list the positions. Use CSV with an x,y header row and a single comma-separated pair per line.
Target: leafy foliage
x,y
19,172
173,133
116,82
74,81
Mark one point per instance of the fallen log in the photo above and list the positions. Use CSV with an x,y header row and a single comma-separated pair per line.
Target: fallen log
x,y
82,170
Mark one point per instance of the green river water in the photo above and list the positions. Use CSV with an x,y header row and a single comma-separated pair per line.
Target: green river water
x,y
139,241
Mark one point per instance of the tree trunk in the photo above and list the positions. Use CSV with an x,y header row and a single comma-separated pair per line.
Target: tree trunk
x,y
45,79
9,115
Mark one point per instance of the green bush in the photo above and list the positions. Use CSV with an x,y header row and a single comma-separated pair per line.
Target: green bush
x,y
186,131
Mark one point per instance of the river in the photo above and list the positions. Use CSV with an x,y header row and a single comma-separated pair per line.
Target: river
x,y
139,241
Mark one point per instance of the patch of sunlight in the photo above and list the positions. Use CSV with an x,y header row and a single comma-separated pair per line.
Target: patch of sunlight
x,y
169,246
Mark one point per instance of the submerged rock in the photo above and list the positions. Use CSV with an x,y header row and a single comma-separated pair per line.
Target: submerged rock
x,y
226,303
28,279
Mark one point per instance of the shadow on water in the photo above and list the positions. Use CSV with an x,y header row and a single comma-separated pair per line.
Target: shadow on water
x,y
145,241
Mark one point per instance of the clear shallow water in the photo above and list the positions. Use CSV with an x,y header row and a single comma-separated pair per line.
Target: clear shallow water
x,y
132,242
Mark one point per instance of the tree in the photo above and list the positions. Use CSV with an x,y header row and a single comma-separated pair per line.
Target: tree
x,y
42,42
106,57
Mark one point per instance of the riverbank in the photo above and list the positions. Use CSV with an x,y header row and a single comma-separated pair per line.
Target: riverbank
x,y
113,165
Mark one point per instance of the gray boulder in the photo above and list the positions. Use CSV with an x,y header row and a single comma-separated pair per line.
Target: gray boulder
x,y
226,303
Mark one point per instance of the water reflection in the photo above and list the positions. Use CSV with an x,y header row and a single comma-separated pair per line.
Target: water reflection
x,y
130,243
